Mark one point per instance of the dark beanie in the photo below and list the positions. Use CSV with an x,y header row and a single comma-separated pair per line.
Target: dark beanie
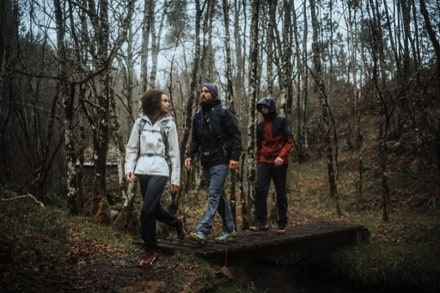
x,y
212,88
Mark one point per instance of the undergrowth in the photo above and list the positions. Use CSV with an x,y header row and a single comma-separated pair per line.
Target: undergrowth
x,y
402,254
39,245
393,266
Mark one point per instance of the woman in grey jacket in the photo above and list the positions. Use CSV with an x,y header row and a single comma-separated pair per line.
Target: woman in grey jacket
x,y
152,154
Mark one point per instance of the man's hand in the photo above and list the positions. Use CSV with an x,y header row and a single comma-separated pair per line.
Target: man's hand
x,y
278,162
233,164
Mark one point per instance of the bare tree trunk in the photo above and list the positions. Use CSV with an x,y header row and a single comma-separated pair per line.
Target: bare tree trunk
x,y
354,140
432,35
67,92
103,96
297,82
124,222
240,44
239,41
377,52
192,96
155,41
270,44
230,101
328,143
207,58
406,69
229,85
254,84
305,84
287,90
301,141
147,25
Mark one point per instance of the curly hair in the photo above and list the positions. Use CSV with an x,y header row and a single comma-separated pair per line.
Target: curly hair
x,y
151,101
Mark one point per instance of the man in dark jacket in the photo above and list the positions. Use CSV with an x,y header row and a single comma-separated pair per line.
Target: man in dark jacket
x,y
216,138
274,143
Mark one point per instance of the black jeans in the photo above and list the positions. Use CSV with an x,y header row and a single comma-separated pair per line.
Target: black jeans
x,y
152,188
265,173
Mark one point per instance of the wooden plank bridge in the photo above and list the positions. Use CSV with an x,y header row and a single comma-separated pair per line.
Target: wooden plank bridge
x,y
250,246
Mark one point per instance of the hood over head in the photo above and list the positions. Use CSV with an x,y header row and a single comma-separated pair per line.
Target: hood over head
x,y
268,102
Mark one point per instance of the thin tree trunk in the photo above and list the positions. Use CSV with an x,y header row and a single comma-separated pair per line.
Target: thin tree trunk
x,y
325,109
432,34
194,91
240,10
303,140
123,220
378,73
254,85
103,96
155,42
147,24
287,90
240,43
67,92
270,44
230,101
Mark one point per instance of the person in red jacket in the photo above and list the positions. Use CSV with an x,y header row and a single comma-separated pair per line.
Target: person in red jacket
x,y
274,143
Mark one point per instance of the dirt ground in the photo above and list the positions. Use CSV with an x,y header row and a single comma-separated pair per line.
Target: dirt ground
x,y
99,268
104,269
38,255
121,273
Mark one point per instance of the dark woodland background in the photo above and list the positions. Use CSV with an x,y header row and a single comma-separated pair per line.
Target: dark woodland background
x,y
358,80
359,77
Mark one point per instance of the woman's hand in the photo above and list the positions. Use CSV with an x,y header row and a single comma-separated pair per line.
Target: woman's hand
x,y
129,177
188,162
174,189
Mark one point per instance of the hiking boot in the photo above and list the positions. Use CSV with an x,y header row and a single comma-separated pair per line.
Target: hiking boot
x,y
198,237
226,237
281,231
259,228
149,257
180,228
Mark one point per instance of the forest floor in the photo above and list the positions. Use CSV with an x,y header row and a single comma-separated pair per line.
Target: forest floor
x,y
43,250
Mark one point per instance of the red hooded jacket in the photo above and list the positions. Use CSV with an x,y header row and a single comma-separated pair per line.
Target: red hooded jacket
x,y
274,136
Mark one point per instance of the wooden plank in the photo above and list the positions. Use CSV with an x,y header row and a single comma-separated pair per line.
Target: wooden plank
x,y
250,246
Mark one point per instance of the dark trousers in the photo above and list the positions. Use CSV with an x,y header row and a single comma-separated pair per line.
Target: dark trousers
x,y
266,173
152,188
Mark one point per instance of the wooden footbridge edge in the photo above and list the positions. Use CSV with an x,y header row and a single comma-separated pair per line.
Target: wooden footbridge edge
x,y
251,246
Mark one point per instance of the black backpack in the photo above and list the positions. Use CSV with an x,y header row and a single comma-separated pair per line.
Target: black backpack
x,y
216,120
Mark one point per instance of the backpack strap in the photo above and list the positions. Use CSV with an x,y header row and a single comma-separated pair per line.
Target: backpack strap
x,y
141,125
163,131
